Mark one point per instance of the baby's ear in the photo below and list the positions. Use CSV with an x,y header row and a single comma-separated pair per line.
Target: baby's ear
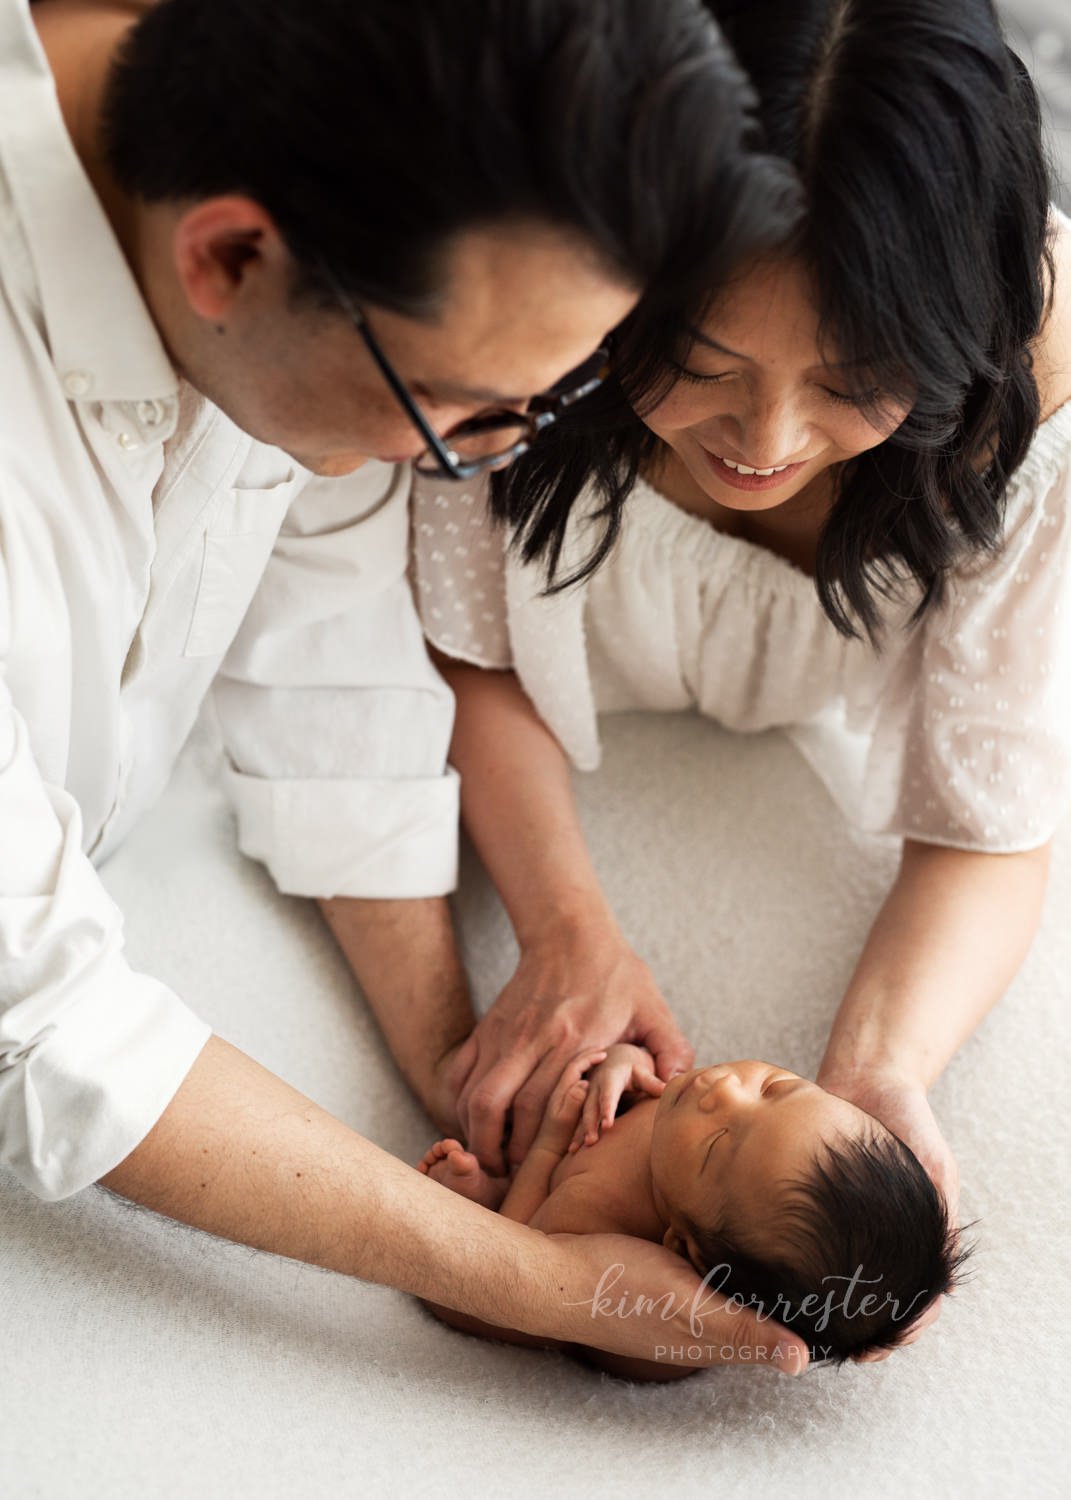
x,y
675,1241
684,1246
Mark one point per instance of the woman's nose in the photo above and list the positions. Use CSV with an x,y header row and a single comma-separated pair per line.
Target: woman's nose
x,y
771,433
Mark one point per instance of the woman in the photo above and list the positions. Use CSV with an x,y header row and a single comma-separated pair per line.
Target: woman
x,y
843,508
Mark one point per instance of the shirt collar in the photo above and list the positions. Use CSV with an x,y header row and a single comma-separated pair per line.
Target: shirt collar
x,y
103,342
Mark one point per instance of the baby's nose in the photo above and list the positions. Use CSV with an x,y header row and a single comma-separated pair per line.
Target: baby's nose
x,y
727,1080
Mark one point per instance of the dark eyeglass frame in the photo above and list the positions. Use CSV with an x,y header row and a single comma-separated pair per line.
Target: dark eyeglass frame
x,y
438,458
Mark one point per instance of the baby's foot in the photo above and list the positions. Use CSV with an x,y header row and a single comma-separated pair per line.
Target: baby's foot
x,y
449,1163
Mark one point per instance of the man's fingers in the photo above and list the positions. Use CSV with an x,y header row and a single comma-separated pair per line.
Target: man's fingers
x,y
743,1338
489,1103
467,1055
671,1052
530,1101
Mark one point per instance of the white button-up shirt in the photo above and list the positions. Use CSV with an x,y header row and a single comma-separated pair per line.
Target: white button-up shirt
x,y
150,553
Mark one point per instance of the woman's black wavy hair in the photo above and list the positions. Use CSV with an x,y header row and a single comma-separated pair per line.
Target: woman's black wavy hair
x,y
916,135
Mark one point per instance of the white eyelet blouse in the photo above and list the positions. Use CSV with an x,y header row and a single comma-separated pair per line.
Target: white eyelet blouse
x,y
957,732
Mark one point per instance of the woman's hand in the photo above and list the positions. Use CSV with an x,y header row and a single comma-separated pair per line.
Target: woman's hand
x,y
578,985
902,1107
626,1069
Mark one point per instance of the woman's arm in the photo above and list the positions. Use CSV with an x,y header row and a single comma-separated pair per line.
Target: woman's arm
x,y
946,944
578,982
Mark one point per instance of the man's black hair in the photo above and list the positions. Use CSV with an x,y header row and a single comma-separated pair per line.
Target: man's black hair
x,y
867,1223
374,132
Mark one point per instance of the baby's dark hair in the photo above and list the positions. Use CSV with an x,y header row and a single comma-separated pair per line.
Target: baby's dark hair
x,y
864,1247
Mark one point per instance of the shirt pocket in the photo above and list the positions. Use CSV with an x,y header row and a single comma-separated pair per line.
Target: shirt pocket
x,y
235,550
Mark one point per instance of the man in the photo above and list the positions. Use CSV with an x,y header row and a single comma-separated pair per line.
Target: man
x,y
253,258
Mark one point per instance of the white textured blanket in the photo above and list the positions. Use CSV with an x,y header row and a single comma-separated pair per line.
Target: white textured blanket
x,y
146,1360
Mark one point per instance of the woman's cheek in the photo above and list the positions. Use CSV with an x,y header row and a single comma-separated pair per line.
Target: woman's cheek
x,y
678,412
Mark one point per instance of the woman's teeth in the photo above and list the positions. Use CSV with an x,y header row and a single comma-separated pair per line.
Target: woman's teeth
x,y
743,468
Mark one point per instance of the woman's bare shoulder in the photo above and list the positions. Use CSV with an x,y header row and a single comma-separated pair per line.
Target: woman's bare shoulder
x,y
1052,355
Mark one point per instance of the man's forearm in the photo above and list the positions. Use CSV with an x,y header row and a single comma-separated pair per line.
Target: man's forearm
x,y
404,956
945,946
242,1155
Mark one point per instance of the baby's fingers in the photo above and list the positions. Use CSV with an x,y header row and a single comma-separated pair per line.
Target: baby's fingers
x,y
601,1107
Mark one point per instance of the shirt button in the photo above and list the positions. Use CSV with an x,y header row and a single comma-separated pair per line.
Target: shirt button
x,y
127,440
150,412
77,383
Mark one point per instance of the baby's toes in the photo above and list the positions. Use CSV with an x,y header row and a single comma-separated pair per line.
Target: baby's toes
x,y
462,1162
434,1155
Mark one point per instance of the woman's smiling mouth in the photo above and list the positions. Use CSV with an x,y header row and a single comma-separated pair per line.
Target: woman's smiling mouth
x,y
744,477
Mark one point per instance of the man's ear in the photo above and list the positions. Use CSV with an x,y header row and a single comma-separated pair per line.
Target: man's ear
x,y
217,245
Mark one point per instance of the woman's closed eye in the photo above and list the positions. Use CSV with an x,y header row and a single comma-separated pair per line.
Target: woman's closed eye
x,y
846,398
698,378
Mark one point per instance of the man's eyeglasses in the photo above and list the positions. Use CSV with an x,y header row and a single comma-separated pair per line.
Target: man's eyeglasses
x,y
488,441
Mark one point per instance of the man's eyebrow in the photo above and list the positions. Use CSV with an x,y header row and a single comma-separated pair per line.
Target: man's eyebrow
x,y
468,393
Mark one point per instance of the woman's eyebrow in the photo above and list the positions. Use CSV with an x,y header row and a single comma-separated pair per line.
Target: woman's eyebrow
x,y
704,338
831,364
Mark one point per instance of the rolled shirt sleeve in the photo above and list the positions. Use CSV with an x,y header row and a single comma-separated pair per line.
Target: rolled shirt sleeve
x,y
336,725
91,1052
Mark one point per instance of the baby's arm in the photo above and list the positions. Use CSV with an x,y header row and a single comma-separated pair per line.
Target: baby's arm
x,y
626,1069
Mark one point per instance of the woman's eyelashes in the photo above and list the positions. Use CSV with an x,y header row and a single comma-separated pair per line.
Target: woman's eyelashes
x,y
839,398
695,378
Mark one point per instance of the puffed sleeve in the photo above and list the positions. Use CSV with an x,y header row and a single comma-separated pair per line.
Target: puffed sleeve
x,y
459,572
91,1052
335,723
973,739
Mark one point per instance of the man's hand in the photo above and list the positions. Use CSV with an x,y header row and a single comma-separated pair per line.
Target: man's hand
x,y
577,986
649,1304
902,1107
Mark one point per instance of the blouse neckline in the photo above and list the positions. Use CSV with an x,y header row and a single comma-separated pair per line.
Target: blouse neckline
x,y
721,552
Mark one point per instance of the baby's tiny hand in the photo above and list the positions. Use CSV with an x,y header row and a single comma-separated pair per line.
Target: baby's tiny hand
x,y
562,1115
626,1070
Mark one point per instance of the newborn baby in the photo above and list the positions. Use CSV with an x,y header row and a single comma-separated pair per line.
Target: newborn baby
x,y
781,1193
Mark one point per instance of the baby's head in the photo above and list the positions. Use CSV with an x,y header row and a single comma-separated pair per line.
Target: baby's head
x,y
801,1204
